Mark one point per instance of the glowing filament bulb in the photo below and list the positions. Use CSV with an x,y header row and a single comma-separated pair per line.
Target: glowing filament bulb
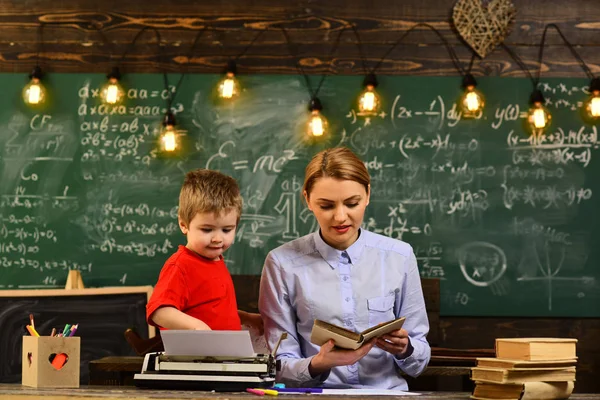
x,y
169,139
594,106
539,118
229,87
34,92
369,101
112,93
317,124
472,101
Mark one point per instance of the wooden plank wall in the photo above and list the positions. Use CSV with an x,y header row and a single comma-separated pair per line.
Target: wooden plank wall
x,y
72,43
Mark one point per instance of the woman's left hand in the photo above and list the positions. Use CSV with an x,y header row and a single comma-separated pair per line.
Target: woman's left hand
x,y
395,342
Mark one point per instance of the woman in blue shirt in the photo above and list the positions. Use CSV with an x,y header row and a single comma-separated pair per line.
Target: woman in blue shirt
x,y
347,276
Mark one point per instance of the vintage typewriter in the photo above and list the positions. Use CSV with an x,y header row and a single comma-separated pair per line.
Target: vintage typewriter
x,y
195,372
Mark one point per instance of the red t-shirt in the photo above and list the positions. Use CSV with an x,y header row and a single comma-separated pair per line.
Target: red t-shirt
x,y
199,287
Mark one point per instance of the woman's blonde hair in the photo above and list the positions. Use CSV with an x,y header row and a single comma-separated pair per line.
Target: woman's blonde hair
x,y
338,163
207,191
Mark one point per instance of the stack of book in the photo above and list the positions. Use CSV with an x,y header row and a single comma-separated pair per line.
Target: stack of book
x,y
527,368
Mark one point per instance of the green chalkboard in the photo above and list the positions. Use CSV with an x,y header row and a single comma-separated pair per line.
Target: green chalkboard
x,y
508,224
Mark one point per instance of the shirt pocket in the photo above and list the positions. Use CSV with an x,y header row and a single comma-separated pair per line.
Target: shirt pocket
x,y
381,309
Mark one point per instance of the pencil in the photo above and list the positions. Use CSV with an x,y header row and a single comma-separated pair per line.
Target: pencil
x,y
31,320
53,332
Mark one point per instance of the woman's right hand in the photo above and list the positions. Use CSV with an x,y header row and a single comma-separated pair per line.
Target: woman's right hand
x,y
329,357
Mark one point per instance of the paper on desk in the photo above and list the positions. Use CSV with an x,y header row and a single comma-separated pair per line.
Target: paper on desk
x,y
207,343
367,392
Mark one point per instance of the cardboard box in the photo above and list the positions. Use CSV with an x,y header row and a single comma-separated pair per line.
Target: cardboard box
x,y
51,362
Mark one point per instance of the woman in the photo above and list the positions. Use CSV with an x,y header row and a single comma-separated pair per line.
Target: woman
x,y
347,276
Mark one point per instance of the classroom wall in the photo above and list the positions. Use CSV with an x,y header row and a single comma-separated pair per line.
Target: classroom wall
x,y
76,46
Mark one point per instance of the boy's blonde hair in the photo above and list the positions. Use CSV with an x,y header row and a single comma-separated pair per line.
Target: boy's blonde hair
x,y
207,191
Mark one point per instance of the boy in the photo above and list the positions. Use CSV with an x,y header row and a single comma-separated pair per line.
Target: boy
x,y
194,289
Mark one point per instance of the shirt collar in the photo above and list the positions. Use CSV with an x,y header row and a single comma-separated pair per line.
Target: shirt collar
x,y
332,255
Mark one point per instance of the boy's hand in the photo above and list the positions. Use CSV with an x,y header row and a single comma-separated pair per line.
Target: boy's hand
x,y
253,320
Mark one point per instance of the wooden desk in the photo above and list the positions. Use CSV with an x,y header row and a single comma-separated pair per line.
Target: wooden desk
x,y
119,371
17,392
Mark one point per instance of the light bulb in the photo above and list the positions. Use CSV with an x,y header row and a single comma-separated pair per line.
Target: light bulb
x,y
34,93
592,106
538,116
169,141
317,124
471,102
112,93
369,102
229,87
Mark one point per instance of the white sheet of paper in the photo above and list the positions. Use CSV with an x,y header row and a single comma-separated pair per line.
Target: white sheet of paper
x,y
207,343
367,392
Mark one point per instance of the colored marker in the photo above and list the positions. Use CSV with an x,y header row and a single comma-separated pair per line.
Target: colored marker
x,y
257,392
270,392
67,327
59,360
32,331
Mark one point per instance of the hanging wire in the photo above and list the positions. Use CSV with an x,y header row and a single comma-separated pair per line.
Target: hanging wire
x,y
582,63
451,52
360,49
256,37
521,64
471,63
40,43
313,93
158,41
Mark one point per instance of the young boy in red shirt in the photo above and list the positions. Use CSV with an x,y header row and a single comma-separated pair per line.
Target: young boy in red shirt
x,y
194,289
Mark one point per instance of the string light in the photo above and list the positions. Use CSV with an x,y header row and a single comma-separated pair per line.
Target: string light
x,y
112,93
34,93
471,101
592,105
369,102
229,87
169,140
317,123
538,115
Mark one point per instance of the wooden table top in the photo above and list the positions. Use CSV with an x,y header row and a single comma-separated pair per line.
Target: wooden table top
x,y
18,392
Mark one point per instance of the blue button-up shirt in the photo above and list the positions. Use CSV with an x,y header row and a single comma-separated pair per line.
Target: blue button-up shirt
x,y
375,280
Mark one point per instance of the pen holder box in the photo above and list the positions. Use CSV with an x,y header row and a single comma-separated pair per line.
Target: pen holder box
x,y
51,362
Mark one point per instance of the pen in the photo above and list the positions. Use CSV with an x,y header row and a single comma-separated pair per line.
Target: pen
x,y
299,390
257,392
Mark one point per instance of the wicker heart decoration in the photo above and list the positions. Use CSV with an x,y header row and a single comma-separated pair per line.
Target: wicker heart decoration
x,y
483,26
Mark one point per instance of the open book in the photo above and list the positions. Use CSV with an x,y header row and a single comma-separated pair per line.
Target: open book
x,y
323,331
